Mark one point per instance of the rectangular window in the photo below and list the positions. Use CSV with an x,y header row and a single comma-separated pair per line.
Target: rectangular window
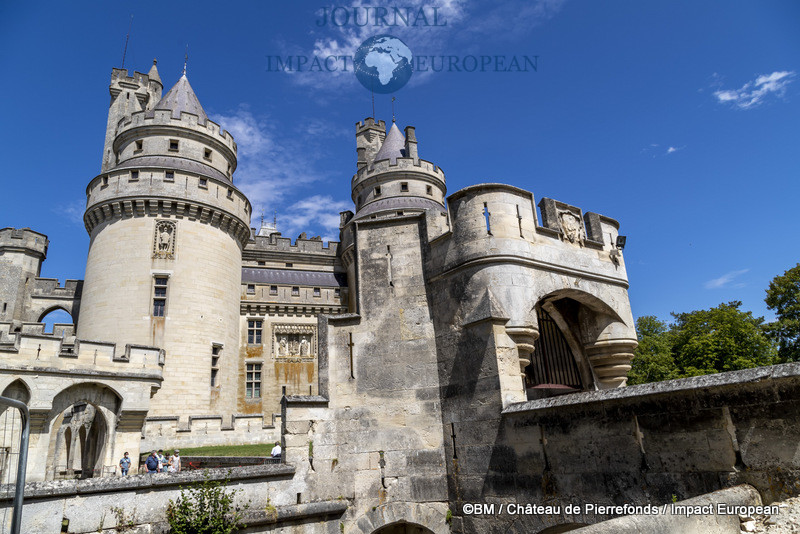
x,y
105,181
290,264
317,292
295,291
216,352
262,263
173,145
230,193
337,292
273,290
378,191
254,331
251,289
203,183
169,176
139,145
404,186
429,189
253,381
159,296
134,176
207,154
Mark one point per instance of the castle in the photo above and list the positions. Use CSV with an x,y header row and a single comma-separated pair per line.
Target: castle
x,y
431,316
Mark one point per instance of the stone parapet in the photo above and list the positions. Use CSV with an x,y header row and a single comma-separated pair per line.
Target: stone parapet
x,y
33,350
158,120
23,240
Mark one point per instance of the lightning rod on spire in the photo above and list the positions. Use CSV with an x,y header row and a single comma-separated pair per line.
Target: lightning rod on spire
x,y
392,109
185,59
125,50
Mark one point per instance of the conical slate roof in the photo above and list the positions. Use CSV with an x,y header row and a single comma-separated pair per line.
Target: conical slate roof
x,y
182,98
393,147
153,74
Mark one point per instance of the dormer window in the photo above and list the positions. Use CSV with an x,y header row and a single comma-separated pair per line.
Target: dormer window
x,y
173,145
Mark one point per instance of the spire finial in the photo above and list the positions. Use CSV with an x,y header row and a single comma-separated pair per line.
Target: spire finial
x,y
392,109
185,59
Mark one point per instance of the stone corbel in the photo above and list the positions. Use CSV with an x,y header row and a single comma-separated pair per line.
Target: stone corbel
x,y
611,361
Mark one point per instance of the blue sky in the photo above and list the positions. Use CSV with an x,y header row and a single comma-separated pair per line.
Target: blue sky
x,y
680,119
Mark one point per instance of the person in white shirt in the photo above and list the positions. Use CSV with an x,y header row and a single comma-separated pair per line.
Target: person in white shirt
x,y
276,450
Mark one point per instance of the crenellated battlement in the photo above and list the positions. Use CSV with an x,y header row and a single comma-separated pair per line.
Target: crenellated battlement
x,y
401,165
23,239
120,76
51,287
275,243
61,351
370,123
164,118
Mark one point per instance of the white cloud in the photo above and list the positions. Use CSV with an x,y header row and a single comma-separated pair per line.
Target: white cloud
x,y
318,212
269,175
673,149
754,93
72,211
725,280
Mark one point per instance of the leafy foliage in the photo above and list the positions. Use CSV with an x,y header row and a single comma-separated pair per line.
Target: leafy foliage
x,y
783,296
206,508
723,338
701,342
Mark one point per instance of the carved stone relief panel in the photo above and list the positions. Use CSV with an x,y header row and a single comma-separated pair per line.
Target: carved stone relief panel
x,y
164,240
571,227
294,341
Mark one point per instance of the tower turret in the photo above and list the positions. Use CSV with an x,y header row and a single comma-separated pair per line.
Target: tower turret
x,y
129,94
22,252
391,177
168,201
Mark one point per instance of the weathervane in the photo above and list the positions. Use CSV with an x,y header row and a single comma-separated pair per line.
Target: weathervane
x,y
392,109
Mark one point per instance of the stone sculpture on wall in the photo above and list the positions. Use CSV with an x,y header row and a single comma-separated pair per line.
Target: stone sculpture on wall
x,y
294,341
571,227
164,240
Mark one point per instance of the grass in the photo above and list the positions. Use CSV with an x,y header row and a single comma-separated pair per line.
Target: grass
x,y
226,450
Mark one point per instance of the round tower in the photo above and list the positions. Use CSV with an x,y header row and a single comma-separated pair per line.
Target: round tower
x,y
391,177
167,228
391,180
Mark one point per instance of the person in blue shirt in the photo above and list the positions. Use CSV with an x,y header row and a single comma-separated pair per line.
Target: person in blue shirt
x,y
125,464
152,463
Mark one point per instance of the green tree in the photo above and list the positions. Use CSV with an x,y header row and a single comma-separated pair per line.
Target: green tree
x,y
723,338
783,296
653,361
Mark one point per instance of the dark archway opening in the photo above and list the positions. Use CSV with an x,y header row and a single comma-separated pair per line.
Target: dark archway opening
x,y
552,370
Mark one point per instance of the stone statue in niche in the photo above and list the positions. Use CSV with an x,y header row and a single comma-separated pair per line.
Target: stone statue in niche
x,y
164,240
571,228
294,341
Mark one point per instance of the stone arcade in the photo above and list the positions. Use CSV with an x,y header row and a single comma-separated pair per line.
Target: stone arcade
x,y
408,369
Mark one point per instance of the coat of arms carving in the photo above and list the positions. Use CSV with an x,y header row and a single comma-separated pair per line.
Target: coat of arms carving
x,y
571,227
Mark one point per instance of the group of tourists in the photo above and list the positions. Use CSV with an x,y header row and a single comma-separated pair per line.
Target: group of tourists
x,y
155,463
